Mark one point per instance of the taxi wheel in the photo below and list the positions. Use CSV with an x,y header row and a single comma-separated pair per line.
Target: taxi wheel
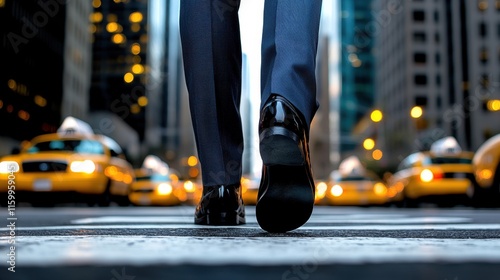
x,y
410,203
122,201
104,199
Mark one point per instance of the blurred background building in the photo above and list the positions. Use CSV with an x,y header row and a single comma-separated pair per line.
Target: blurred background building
x,y
46,60
357,69
437,73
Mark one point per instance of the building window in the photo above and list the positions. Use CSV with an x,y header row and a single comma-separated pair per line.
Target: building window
x,y
420,80
437,38
484,81
418,16
438,80
438,59
436,16
483,55
483,31
482,5
419,37
421,101
420,58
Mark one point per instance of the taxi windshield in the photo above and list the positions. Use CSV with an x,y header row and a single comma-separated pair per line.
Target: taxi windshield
x,y
154,178
76,146
449,160
354,178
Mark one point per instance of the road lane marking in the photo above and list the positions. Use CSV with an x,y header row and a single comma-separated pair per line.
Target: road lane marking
x,y
248,226
143,250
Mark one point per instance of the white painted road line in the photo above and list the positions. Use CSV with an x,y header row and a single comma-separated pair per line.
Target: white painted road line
x,y
354,219
305,227
142,250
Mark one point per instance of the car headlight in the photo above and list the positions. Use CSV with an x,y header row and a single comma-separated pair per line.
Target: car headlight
x,y
484,174
337,190
189,186
380,189
321,189
85,166
164,189
426,176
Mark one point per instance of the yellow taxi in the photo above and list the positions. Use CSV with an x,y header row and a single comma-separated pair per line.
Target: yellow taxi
x,y
156,185
445,173
73,164
486,164
250,189
352,184
193,190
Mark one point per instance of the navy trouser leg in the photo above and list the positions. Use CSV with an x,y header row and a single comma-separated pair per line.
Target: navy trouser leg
x,y
211,48
289,47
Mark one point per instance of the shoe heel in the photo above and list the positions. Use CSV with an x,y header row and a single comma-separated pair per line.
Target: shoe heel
x,y
280,146
288,200
225,218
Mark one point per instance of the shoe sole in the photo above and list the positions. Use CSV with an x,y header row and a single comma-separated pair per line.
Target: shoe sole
x,y
221,219
288,200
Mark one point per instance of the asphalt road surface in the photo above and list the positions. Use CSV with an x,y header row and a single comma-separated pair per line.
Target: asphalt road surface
x,y
134,243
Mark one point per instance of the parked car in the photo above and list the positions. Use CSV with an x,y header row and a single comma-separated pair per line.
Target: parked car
x,y
352,184
250,190
73,164
156,184
444,175
486,164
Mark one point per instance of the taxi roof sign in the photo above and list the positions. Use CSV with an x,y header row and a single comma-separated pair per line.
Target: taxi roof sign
x,y
351,166
155,164
447,145
72,125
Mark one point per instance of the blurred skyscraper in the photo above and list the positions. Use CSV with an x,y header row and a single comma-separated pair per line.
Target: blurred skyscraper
x,y
45,56
357,69
437,72
120,38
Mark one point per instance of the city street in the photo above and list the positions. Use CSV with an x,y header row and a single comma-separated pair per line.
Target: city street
x,y
337,243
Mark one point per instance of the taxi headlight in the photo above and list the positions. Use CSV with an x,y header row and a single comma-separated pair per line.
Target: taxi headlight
x,y
321,189
337,191
189,186
485,174
85,166
164,189
380,189
426,176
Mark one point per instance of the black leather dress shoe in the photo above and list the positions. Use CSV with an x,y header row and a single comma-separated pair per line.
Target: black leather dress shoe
x,y
220,205
286,192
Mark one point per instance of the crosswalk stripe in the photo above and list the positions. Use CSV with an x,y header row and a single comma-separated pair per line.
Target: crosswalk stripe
x,y
140,250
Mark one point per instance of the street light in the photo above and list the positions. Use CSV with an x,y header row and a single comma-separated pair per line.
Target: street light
x,y
416,112
376,116
369,144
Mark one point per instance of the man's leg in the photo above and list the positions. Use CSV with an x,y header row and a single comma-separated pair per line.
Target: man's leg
x,y
212,60
289,44
289,47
